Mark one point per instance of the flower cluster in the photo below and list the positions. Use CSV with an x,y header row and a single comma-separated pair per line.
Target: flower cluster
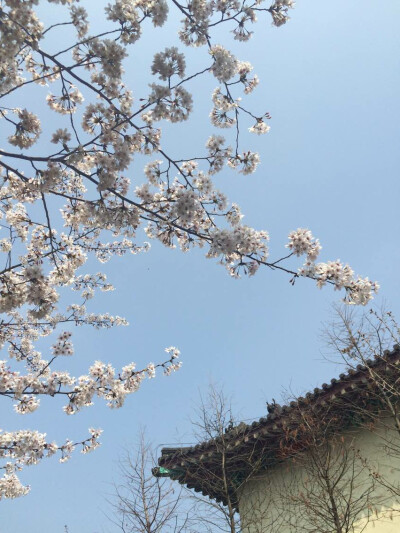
x,y
11,487
63,346
125,13
246,163
218,154
27,130
225,64
279,11
25,447
67,102
243,69
202,13
102,381
173,105
260,127
168,63
241,248
223,104
302,242
359,291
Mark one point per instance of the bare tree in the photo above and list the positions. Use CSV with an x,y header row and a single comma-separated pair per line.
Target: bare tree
x,y
372,340
219,474
326,487
341,459
149,503
317,481
227,471
143,503
212,419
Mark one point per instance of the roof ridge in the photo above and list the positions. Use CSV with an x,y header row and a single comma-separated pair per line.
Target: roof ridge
x,y
347,377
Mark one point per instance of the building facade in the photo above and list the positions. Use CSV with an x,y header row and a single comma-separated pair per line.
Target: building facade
x,y
328,462
294,495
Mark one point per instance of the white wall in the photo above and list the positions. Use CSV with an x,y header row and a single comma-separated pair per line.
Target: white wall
x,y
282,499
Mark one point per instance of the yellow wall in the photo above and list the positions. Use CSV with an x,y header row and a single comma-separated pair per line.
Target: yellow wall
x,y
283,499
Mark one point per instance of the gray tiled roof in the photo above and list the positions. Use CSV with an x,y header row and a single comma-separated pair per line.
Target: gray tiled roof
x,y
188,464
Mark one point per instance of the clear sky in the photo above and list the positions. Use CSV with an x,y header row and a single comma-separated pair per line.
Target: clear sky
x,y
330,79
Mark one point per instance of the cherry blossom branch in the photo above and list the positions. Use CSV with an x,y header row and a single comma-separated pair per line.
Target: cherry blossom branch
x,y
84,193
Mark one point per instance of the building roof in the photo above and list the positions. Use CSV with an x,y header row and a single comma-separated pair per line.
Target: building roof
x,y
263,438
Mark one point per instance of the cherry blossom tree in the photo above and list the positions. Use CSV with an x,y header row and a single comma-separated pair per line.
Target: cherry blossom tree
x,y
66,194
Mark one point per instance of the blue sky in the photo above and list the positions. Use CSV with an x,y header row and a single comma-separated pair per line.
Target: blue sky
x,y
330,79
